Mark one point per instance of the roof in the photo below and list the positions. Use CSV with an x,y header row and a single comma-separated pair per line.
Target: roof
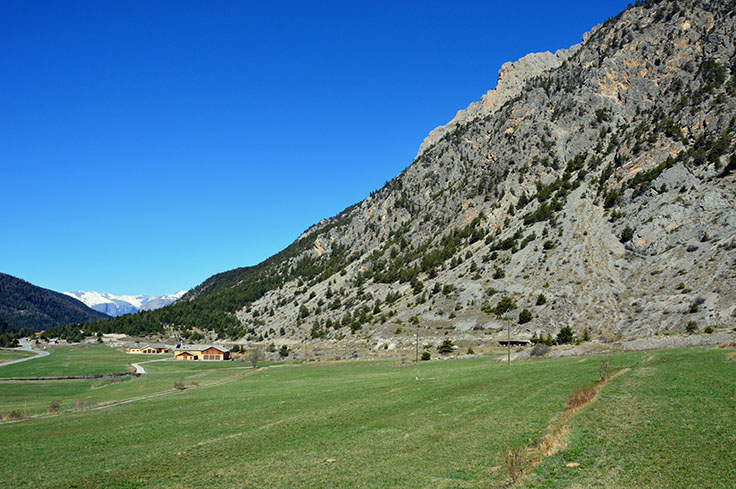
x,y
201,348
144,345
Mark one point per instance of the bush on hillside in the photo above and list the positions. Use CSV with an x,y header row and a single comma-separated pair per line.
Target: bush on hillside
x,y
525,316
691,327
539,350
446,346
565,336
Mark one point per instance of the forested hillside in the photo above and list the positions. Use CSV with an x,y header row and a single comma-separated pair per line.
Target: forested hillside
x,y
24,306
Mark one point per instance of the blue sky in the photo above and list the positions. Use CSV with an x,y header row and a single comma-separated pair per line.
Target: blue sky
x,y
145,146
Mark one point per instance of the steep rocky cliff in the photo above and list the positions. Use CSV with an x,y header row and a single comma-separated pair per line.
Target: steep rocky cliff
x,y
593,188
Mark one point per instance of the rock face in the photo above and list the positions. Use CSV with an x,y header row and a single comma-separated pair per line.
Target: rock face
x,y
511,80
593,187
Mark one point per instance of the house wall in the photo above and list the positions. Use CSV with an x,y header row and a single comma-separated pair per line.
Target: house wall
x,y
214,354
209,354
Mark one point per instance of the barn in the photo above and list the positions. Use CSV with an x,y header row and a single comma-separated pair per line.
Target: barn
x,y
201,352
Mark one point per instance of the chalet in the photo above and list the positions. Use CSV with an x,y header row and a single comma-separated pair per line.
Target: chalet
x,y
201,352
148,348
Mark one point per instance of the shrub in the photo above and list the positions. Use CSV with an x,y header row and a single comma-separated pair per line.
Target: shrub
x,y
446,346
695,306
426,356
54,406
499,274
470,351
15,414
565,335
179,385
627,234
284,351
539,350
604,369
541,300
691,327
515,462
525,316
708,330
504,305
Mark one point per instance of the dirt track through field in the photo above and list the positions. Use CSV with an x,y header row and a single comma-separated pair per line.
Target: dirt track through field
x,y
557,432
109,404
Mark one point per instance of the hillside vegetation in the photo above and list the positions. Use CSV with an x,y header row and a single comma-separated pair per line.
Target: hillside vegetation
x,y
593,188
24,306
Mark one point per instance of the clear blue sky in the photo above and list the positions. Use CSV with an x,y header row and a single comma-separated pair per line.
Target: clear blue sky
x,y
145,146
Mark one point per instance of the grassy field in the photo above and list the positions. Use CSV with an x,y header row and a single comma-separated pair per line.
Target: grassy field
x,y
8,355
667,421
32,398
72,360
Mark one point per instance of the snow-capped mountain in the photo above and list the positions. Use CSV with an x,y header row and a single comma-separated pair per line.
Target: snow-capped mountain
x,y
117,305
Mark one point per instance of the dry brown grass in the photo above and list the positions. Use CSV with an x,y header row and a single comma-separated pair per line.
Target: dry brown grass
x,y
581,396
522,461
516,463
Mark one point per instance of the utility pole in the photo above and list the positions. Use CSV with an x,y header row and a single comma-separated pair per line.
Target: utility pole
x,y
508,342
507,318
416,355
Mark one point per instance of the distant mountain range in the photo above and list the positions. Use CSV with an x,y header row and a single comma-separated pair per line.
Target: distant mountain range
x,y
26,306
117,305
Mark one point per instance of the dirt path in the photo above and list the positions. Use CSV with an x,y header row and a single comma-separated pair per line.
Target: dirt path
x,y
145,397
140,370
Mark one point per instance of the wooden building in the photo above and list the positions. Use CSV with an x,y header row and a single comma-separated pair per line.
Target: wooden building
x,y
201,352
148,348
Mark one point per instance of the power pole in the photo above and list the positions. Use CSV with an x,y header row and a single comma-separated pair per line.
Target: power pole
x,y
416,355
508,342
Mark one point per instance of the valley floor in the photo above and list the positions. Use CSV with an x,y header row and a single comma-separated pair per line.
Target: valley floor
x,y
666,420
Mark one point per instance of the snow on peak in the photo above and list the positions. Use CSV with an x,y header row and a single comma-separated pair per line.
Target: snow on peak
x,y
116,305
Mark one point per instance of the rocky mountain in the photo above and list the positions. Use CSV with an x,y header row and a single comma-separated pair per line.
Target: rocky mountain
x,y
593,187
26,306
116,305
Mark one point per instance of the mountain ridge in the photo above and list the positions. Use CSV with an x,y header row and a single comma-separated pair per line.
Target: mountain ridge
x,y
116,305
25,306
594,191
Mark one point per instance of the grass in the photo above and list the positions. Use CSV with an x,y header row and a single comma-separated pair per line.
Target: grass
x,y
34,397
72,360
667,422
8,355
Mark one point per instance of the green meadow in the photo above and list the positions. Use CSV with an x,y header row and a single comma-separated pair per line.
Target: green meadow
x,y
8,355
665,420
72,360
